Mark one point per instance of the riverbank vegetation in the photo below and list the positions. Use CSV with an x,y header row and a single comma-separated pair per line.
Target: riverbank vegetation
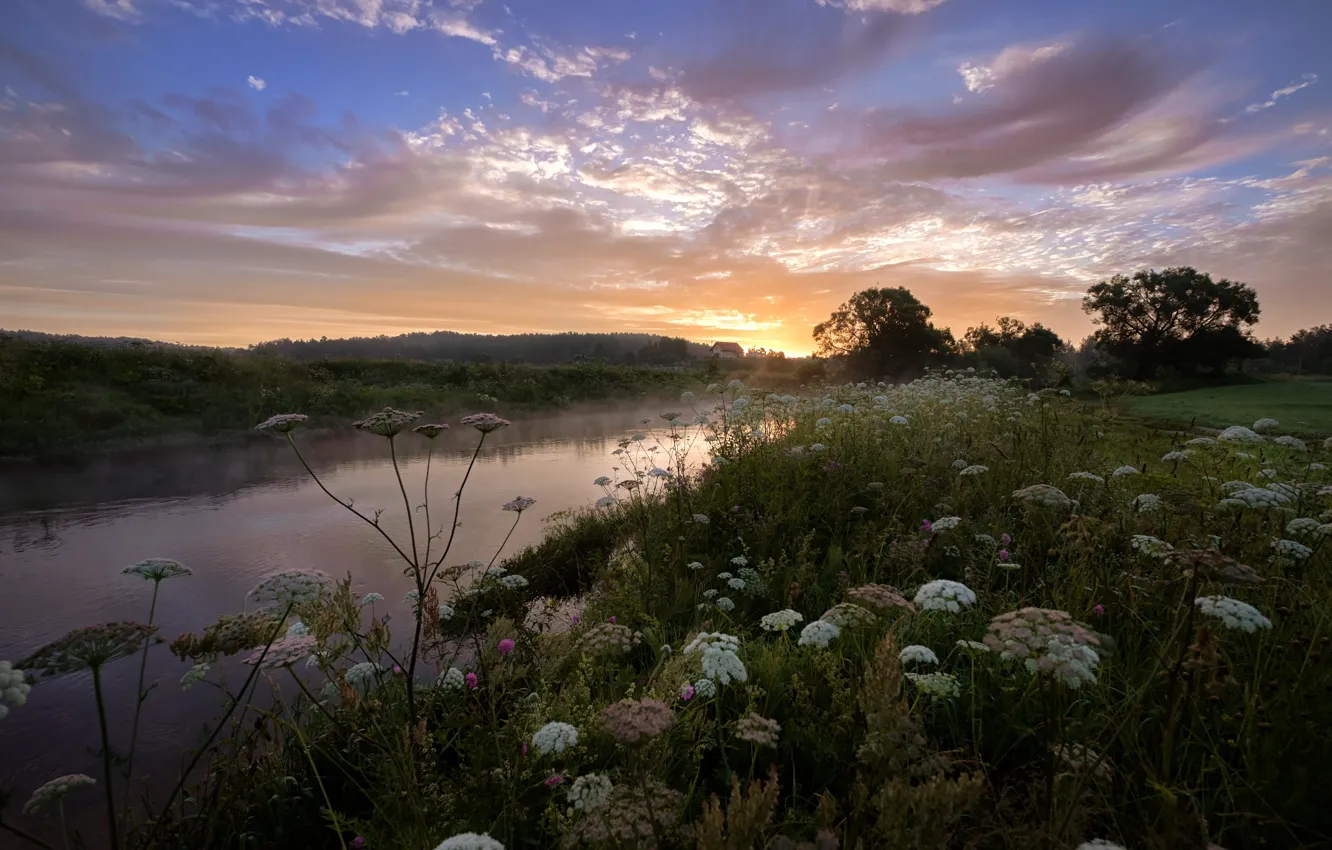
x,y
948,614
65,398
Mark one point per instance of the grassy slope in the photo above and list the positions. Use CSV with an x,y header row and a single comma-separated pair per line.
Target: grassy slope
x,y
1303,407
58,398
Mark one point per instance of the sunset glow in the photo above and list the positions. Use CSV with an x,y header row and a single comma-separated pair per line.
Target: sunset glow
x,y
228,171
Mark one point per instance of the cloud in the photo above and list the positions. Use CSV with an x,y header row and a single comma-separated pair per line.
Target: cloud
x,y
771,46
551,65
121,10
979,78
256,83
1304,82
1065,117
459,27
901,7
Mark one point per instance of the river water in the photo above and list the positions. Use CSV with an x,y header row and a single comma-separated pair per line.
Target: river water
x,y
232,514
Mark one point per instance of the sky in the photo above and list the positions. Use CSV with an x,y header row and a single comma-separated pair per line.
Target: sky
x,y
227,171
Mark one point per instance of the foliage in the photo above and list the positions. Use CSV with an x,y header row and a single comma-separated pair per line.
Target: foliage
x,y
883,332
1013,349
1303,407
61,397
1105,672
534,348
1178,317
1308,351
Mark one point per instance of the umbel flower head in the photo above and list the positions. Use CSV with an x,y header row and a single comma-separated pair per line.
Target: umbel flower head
x,y
937,685
779,621
589,792
720,661
879,597
1045,496
555,737
55,790
387,422
284,652
283,423
519,504
631,721
847,615
944,595
157,569
759,731
430,432
485,422
609,638
819,633
227,636
917,654
1233,613
87,648
13,689
470,841
1047,641
290,587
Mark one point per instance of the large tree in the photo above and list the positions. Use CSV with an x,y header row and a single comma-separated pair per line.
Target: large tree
x,y
883,332
1013,349
1177,317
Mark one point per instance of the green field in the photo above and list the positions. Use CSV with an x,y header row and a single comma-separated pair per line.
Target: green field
x,y
1302,407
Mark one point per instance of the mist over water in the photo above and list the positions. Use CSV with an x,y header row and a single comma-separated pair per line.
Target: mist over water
x,y
232,514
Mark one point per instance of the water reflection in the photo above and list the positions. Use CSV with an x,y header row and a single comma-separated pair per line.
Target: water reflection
x,y
233,514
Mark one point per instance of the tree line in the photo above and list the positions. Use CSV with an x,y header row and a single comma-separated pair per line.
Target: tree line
x,y
1175,322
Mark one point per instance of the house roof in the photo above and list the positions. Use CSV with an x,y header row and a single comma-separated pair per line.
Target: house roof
x,y
733,347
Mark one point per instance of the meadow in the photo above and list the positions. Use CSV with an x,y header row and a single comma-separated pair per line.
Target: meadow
x,y
65,398
948,614
1302,406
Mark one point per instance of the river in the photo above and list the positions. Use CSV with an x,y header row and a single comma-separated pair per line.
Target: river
x,y
232,514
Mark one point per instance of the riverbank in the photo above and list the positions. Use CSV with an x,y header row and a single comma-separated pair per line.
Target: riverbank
x,y
61,400
943,614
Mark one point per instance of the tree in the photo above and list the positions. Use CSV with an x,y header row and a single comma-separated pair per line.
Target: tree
x,y
1014,349
883,332
1178,317
1307,351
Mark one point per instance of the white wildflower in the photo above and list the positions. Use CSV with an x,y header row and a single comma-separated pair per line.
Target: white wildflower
x,y
725,604
1233,613
720,661
937,685
1303,525
1090,476
1239,434
946,523
705,688
1125,470
1266,424
973,645
695,565
975,469
818,633
899,420
1291,549
371,598
780,621
944,595
1291,443
55,790
452,679
13,689
555,737
1149,545
1100,844
514,582
1175,456
470,841
701,519
917,654
1044,495
297,629
194,675
157,569
1146,503
739,561
362,675
960,464
589,793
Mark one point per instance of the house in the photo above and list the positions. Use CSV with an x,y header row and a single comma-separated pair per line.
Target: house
x,y
727,350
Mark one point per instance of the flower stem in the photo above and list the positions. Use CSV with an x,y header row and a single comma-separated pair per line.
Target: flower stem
x,y
139,696
113,834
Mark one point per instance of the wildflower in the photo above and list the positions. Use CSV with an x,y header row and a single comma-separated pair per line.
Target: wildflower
x,y
556,779
974,469
1239,434
1291,549
505,646
875,485
471,681
1146,503
823,423
759,731
1081,758
371,598
88,648
946,523
705,688
720,661
917,654
725,604
878,597
555,737
1125,470
735,385
1149,545
1291,443
387,422
817,447
13,689
1175,456
485,422
960,464
194,675
695,565
739,561
1098,610
452,679
1100,844
944,595
779,621
1044,495
1266,424
702,519
1047,641
848,615
157,569
283,423
973,645
362,675
290,587
514,582
606,502
631,721
926,526
846,408
470,841
686,397
937,685
1261,497
1006,539
658,472
283,652
687,691
899,420
818,633
588,793
357,843
519,504
1303,525
1201,441
297,629
55,790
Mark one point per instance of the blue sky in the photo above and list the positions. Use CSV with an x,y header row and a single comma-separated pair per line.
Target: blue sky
x,y
225,171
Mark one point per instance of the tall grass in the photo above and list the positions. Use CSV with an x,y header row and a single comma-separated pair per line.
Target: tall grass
x,y
874,709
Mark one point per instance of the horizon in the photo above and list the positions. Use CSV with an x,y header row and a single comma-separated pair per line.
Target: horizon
x,y
226,172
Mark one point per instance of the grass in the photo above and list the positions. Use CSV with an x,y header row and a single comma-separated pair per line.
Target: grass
x,y
1302,407
1153,724
59,398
